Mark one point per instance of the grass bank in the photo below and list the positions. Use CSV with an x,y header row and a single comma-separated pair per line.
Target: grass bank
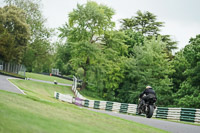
x,y
47,78
41,90
38,111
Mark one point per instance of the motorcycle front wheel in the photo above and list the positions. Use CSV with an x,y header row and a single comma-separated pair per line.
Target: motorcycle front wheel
x,y
150,111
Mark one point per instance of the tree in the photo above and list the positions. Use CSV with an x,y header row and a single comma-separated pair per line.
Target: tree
x,y
112,64
133,39
38,52
146,23
62,57
14,34
170,45
149,66
84,31
189,93
33,17
88,22
180,66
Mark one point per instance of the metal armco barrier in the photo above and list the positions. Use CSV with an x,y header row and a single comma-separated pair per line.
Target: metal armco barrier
x,y
181,114
74,89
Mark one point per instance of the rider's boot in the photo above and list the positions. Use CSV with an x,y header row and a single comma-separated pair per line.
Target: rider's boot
x,y
139,109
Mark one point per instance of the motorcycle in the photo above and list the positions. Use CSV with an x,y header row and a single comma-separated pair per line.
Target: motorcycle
x,y
147,107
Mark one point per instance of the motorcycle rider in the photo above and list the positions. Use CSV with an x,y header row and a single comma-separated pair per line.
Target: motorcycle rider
x,y
145,95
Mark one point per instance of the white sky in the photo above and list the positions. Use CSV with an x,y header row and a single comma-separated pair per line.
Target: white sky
x,y
181,17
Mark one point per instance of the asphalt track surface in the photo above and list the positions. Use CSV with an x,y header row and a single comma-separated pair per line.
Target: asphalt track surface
x,y
8,86
169,126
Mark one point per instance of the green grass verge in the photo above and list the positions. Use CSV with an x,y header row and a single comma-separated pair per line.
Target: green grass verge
x,y
85,93
38,111
41,90
47,78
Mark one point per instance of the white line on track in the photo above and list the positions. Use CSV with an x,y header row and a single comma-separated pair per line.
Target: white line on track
x,y
16,86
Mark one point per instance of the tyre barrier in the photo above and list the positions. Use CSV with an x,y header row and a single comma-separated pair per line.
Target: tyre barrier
x,y
102,105
78,101
179,114
65,98
111,106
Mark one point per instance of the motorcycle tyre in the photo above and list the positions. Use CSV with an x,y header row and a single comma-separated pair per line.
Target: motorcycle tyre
x,y
150,111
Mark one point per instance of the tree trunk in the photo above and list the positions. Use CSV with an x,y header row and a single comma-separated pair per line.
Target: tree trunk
x,y
84,84
84,81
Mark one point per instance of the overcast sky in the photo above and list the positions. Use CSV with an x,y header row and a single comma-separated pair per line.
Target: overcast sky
x,y
181,17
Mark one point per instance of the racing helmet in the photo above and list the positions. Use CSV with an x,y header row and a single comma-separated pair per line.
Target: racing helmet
x,y
148,87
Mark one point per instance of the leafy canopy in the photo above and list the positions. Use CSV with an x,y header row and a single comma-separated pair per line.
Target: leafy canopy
x,y
189,93
37,57
144,22
14,33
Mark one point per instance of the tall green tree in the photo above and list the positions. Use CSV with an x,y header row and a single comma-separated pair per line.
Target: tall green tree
x,y
114,55
180,66
170,45
84,31
149,66
146,23
189,93
14,34
88,22
38,53
133,39
62,57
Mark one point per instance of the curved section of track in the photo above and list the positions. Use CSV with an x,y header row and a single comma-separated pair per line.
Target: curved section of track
x,y
8,86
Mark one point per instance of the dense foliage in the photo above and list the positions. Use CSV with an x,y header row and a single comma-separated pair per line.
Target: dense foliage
x,y
14,34
146,23
38,52
149,66
115,65
187,78
112,64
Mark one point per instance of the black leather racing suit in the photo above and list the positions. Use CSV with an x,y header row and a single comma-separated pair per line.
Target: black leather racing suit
x,y
147,93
